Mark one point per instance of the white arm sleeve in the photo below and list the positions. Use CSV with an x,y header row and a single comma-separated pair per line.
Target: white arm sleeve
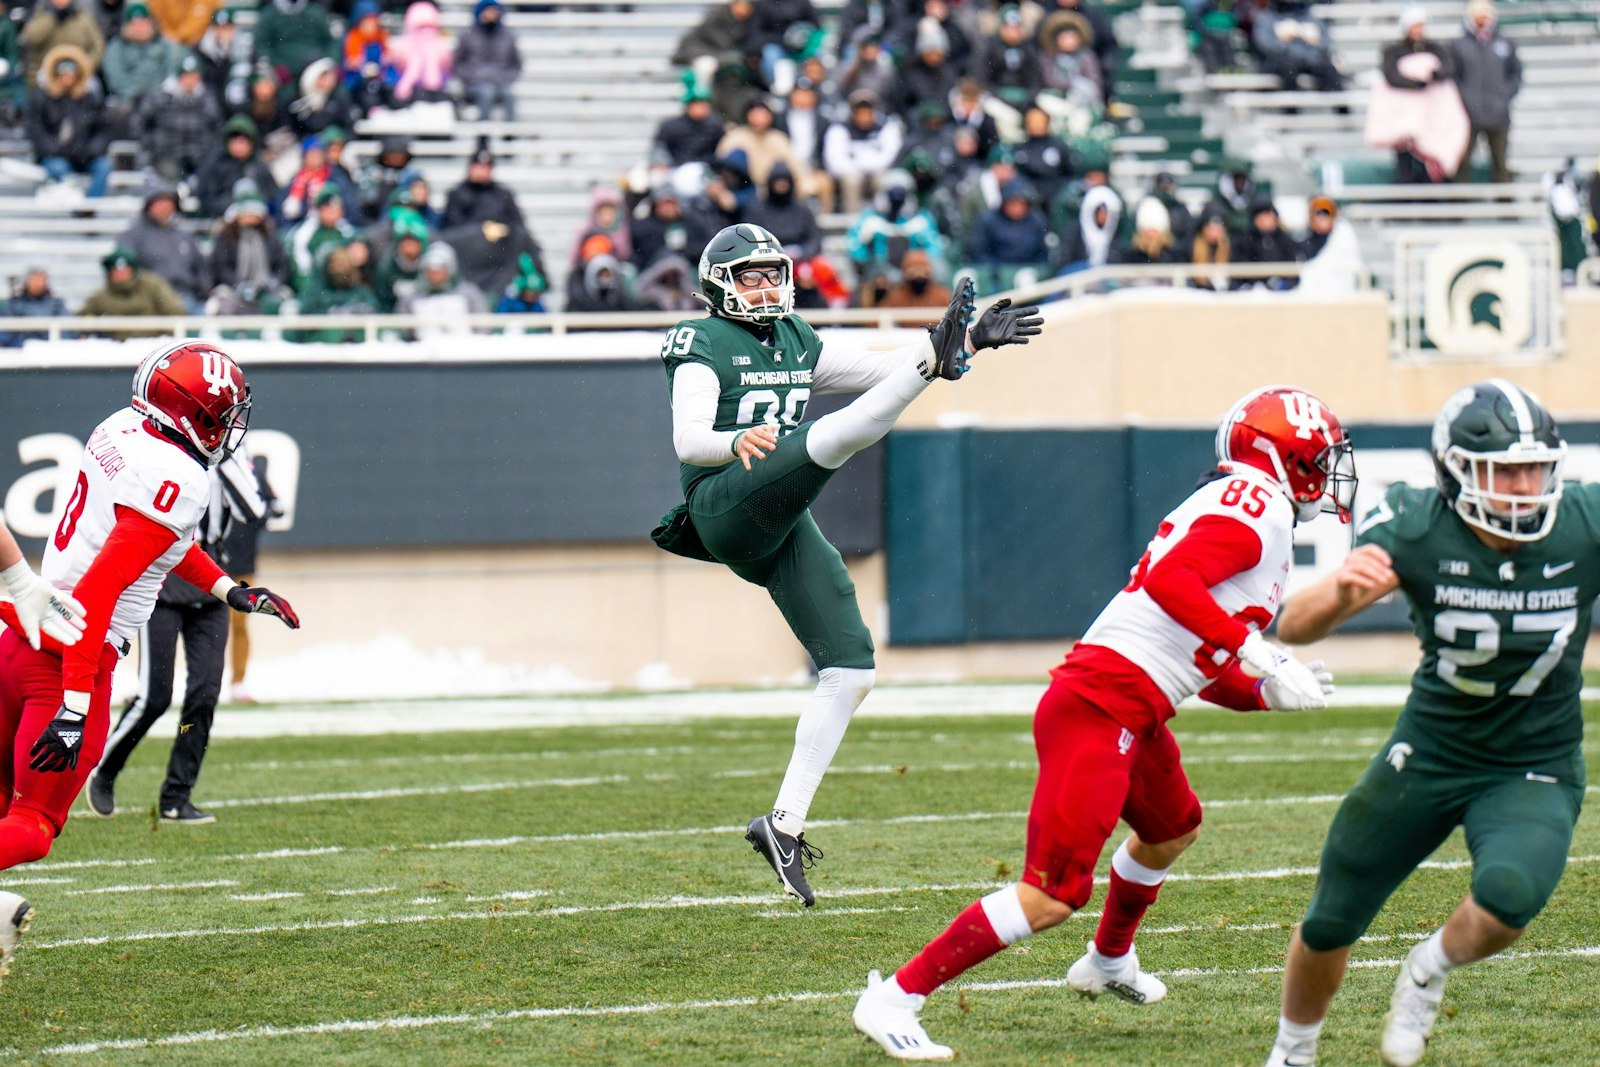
x,y
695,392
855,372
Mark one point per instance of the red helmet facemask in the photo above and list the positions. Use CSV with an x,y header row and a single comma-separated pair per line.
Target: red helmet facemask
x,y
1290,435
197,395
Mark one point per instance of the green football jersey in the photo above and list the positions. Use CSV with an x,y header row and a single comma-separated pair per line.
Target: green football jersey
x,y
761,383
1502,636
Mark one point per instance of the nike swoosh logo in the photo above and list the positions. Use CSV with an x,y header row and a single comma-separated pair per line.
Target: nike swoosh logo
x,y
784,858
1552,571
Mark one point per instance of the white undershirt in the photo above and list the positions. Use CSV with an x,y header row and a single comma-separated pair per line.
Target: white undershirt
x,y
696,390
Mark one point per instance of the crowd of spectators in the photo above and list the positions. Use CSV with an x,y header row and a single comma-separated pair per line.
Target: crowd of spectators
x,y
945,134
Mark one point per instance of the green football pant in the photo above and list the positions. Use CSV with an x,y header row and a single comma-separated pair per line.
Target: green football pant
x,y
1518,832
758,523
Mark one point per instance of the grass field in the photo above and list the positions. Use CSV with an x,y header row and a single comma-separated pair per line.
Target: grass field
x,y
584,896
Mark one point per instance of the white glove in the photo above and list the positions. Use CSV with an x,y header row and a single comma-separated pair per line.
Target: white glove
x,y
1279,697
1291,685
41,605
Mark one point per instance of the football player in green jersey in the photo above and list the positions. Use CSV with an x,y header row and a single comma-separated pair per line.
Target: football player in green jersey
x,y
739,381
1500,566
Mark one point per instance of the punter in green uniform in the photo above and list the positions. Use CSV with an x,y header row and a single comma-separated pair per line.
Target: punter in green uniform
x,y
739,382
1499,565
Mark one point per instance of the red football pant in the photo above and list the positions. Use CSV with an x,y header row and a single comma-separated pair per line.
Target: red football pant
x,y
36,804
1093,770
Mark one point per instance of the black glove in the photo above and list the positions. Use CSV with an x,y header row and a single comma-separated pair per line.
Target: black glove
x,y
949,334
1002,324
58,746
253,598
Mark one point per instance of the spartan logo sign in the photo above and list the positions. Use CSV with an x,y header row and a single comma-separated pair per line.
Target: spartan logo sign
x,y
1478,298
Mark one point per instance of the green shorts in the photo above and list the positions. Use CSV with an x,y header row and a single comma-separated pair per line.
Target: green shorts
x,y
757,522
1518,829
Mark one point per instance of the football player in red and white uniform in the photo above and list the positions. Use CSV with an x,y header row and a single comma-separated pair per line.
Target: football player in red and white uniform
x,y
1188,622
129,521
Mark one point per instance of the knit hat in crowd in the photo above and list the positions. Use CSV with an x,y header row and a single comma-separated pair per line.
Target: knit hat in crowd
x,y
136,11
327,193
1415,15
189,64
119,256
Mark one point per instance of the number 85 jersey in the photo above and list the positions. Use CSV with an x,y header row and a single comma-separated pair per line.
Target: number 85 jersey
x,y
1237,534
127,464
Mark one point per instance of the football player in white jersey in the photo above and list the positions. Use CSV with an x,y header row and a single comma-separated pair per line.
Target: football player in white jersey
x,y
1188,622
129,521
36,606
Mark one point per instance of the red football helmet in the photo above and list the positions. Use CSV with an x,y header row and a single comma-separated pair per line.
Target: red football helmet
x,y
197,394
1292,436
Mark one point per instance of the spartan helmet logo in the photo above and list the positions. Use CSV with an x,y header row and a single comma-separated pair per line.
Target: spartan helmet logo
x,y
1474,296
1478,297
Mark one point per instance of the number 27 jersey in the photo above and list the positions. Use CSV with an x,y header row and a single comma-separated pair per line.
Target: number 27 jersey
x,y
1137,628
127,464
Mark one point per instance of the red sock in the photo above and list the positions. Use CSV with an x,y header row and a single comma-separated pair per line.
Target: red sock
x,y
966,943
1126,903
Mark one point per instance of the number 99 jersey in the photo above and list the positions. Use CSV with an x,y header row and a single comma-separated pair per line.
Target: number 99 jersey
x,y
1502,635
1137,628
760,383
127,464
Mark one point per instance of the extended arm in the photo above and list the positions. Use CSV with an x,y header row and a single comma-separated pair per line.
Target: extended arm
x,y
1366,575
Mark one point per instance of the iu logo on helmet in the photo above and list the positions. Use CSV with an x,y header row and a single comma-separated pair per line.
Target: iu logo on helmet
x,y
214,370
1304,414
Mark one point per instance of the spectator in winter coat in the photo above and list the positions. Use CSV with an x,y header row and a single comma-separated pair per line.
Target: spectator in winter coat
x,y
763,144
336,287
227,60
600,286
917,287
311,178
1212,247
249,268
1042,158
784,215
1265,242
1152,237
669,230
414,197
58,22
34,300
928,75
1164,188
1236,190
936,14
442,297
367,72
237,159
178,124
131,290
887,20
872,70
857,152
262,103
967,110
606,218
1409,167
163,246
802,120
1090,243
1100,37
669,284
1291,41
525,292
1012,70
1014,234
894,224
325,228
292,35
380,174
139,59
487,61
397,273
1490,76
692,136
184,21
322,102
66,120
422,56
480,198
724,37
729,191
1074,85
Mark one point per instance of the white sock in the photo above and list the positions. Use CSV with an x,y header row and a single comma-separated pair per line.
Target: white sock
x,y
1298,1037
1131,870
1003,909
839,435
1429,959
839,692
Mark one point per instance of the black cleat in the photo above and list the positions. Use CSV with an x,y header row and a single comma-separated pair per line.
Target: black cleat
x,y
949,335
790,857
102,795
15,915
187,814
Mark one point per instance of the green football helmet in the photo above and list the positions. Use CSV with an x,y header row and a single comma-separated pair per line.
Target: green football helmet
x,y
1484,430
739,248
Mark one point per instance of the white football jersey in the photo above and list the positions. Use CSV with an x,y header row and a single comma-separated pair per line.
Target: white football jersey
x,y
1135,627
128,464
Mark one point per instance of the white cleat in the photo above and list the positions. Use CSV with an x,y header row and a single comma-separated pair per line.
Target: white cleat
x,y
15,915
1094,974
888,1015
1281,1057
1413,1009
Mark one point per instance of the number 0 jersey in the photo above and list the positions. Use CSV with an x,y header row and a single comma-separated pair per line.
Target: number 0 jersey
x,y
761,383
1135,626
127,464
1502,636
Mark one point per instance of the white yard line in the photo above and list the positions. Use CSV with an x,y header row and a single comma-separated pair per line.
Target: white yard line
x,y
490,1018
9,882
790,913
420,791
172,886
369,891
250,897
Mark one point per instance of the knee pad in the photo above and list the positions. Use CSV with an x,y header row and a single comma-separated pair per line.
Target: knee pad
x,y
1324,933
856,682
25,836
1508,894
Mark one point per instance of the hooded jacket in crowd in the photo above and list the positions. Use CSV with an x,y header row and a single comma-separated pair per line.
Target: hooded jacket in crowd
x,y
317,109
718,34
71,125
685,139
672,228
169,250
133,70
293,34
487,52
216,182
421,55
144,293
443,303
248,259
893,225
1090,244
787,217
472,202
179,125
1489,74
50,26
599,286
184,21
1000,240
45,305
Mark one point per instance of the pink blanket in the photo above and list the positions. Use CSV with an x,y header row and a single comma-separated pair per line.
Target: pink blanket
x,y
1431,122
